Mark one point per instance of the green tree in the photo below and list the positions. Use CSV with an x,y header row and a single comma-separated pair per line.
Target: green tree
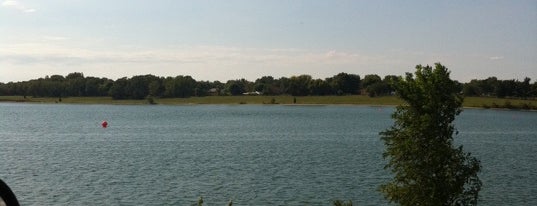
x,y
54,86
92,86
169,87
76,84
472,88
105,86
533,89
202,88
489,85
320,87
137,87
390,80
428,169
235,87
524,88
377,89
344,83
370,79
300,85
283,85
118,90
184,86
155,88
238,87
505,88
266,85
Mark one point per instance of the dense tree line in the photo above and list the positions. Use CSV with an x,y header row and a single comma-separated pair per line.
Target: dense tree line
x,y
501,88
143,86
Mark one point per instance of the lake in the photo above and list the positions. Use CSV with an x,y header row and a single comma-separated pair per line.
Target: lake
x,y
56,154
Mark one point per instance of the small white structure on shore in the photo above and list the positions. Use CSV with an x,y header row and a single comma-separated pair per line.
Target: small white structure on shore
x,y
252,93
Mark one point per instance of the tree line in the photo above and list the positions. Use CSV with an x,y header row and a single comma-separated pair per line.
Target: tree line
x,y
493,87
143,86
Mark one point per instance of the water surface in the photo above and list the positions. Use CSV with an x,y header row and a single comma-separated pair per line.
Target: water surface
x,y
253,154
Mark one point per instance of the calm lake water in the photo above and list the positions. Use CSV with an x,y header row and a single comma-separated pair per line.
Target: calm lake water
x,y
252,154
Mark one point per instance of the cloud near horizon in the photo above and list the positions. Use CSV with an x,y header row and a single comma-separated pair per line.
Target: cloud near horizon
x,y
54,55
17,6
496,58
201,62
44,53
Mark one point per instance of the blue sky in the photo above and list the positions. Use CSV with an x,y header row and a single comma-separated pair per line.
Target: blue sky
x,y
222,40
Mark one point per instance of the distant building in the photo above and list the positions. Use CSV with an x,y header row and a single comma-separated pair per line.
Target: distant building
x,y
213,92
252,93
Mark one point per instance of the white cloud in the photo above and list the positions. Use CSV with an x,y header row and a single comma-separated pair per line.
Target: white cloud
x,y
55,53
48,55
496,58
54,38
18,6
203,62
62,55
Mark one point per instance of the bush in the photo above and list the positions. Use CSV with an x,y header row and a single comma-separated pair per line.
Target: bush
x,y
150,100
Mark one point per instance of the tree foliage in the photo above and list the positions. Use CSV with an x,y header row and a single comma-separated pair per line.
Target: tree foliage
x,y
500,88
344,83
300,85
237,87
370,79
428,169
141,86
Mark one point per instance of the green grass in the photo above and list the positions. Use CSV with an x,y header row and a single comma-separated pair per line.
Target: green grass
x,y
70,100
479,102
355,99
491,102
362,100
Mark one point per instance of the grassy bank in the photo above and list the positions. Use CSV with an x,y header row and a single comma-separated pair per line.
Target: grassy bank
x,y
479,102
356,99
490,102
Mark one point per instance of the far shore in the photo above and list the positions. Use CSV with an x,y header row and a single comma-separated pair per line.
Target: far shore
x,y
469,102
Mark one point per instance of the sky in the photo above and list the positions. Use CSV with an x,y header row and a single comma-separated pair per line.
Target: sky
x,y
233,39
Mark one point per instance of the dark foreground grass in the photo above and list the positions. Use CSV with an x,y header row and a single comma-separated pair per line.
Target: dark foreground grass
x,y
478,102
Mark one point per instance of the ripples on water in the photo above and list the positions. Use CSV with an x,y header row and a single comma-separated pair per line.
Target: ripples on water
x,y
255,155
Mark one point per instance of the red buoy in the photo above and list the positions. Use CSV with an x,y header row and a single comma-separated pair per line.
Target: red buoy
x,y
104,124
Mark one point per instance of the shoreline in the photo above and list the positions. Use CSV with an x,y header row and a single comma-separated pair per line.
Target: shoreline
x,y
352,100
